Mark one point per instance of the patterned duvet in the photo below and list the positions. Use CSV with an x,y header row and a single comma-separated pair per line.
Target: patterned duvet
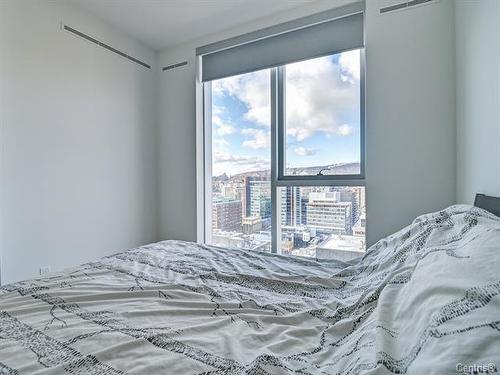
x,y
421,301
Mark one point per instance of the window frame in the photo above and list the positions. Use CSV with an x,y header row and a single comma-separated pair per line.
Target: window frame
x,y
278,139
315,180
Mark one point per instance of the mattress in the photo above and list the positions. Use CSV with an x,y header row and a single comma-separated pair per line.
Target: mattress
x,y
421,301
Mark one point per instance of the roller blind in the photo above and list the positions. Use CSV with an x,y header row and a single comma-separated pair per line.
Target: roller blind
x,y
321,34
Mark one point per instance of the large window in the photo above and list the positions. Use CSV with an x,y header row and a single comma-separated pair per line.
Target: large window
x,y
240,143
285,159
282,139
322,113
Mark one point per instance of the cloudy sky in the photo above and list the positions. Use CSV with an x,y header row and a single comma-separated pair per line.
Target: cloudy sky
x,y
322,116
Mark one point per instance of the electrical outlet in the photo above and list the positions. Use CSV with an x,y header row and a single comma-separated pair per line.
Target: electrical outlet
x,y
44,270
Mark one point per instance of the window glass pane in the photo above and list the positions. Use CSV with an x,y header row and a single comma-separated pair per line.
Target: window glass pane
x,y
322,120
241,187
323,222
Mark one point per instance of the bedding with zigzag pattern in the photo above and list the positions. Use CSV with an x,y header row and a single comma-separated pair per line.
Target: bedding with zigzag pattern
x,y
421,301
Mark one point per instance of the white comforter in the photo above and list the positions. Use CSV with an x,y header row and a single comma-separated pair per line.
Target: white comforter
x,y
421,301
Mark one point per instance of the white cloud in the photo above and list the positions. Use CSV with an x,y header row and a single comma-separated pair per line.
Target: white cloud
x,y
345,130
220,144
225,129
350,65
259,138
218,110
303,151
224,162
221,157
253,90
221,127
320,96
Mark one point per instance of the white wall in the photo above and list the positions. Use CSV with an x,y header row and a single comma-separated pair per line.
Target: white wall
x,y
78,123
410,119
411,137
478,98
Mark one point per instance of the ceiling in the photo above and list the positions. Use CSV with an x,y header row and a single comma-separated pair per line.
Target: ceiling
x,y
165,23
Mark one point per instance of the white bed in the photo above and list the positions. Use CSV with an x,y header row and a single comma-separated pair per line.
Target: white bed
x,y
421,301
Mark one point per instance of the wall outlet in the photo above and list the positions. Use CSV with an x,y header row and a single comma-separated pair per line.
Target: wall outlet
x,y
44,270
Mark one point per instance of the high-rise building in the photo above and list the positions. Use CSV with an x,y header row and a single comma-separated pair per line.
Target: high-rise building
x,y
251,224
359,228
226,214
351,194
260,198
327,215
293,206
233,190
287,245
250,188
286,206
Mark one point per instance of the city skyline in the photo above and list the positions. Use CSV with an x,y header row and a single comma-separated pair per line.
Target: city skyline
x,y
312,170
311,218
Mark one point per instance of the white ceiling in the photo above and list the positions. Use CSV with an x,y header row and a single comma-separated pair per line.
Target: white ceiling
x,y
165,23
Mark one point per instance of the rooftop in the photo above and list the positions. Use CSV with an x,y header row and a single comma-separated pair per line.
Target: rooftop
x,y
343,243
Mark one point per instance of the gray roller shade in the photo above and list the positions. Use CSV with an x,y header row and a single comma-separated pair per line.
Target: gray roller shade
x,y
321,34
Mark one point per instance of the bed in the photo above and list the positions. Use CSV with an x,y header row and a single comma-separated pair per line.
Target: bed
x,y
424,300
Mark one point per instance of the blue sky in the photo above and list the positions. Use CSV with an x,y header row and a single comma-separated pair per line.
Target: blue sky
x,y
322,101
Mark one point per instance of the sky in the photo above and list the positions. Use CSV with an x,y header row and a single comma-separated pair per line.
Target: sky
x,y
322,116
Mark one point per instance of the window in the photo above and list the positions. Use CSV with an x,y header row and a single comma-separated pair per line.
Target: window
x,y
283,147
322,139
322,113
240,140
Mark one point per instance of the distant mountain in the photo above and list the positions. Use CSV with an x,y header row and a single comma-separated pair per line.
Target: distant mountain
x,y
223,177
332,169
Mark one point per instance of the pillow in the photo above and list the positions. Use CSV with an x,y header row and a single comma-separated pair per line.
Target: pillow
x,y
490,204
